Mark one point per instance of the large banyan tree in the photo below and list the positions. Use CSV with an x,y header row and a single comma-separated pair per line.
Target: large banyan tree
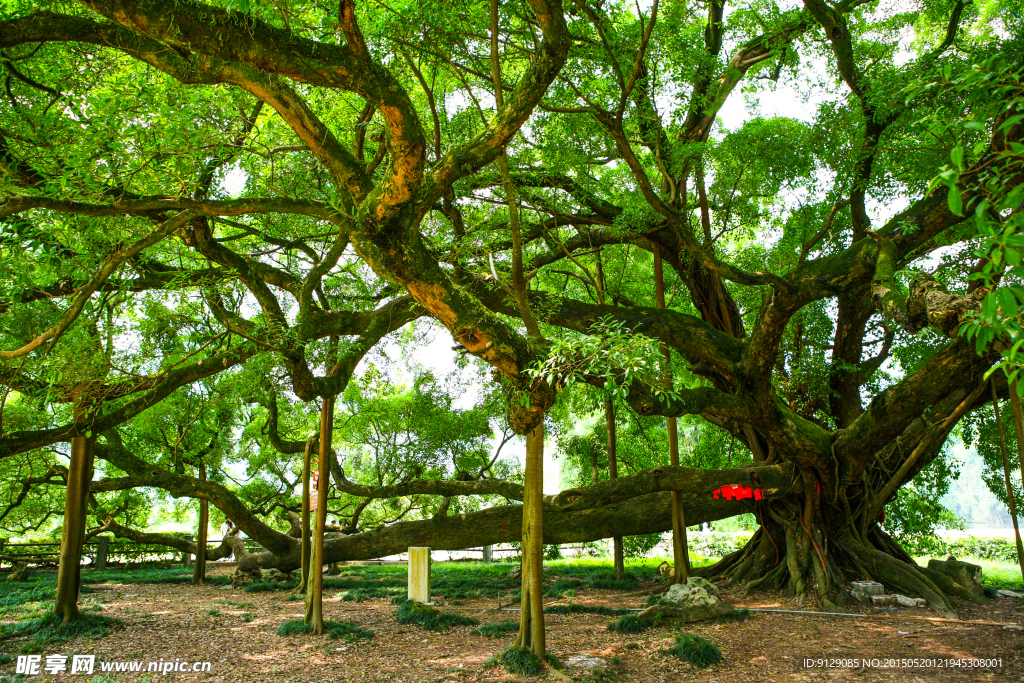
x,y
189,188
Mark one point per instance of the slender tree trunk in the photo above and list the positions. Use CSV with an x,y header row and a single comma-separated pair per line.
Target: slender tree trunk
x,y
680,556
314,589
69,577
306,541
1018,425
531,615
199,571
613,473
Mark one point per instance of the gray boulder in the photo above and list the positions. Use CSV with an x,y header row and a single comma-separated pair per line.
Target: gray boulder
x,y
695,600
964,574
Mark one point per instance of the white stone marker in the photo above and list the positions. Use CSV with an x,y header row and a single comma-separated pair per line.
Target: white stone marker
x,y
419,574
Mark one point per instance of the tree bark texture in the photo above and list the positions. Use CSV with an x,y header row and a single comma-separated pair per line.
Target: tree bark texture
x,y
199,571
618,559
531,614
315,586
69,578
304,528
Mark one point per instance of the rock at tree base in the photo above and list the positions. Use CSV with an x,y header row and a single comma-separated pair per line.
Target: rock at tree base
x,y
1010,594
904,601
277,575
585,662
965,574
242,578
868,587
20,572
695,600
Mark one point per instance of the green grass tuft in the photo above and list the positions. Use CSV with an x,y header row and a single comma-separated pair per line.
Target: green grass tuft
x,y
246,618
48,630
735,615
585,609
430,618
520,661
700,652
631,623
497,629
334,629
364,594
267,586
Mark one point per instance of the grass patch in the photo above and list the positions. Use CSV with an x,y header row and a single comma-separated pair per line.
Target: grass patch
x,y
148,576
268,586
698,651
246,618
48,630
364,594
430,618
349,583
520,661
213,612
239,605
497,629
585,609
26,601
631,623
335,629
735,615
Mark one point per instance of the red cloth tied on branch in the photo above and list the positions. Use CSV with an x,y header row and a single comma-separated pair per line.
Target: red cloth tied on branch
x,y
737,492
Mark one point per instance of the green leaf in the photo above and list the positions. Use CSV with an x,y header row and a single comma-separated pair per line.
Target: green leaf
x,y
957,155
956,204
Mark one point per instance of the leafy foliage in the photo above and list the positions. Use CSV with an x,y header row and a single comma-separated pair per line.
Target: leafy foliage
x,y
700,652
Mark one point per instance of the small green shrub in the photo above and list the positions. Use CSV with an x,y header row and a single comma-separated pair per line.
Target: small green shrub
x,y
497,629
213,612
632,646
430,618
246,618
700,652
631,623
334,629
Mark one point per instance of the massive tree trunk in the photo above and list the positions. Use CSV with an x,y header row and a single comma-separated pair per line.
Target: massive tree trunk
x,y
69,578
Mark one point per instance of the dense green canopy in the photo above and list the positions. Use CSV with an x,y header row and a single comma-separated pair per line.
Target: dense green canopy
x,y
212,213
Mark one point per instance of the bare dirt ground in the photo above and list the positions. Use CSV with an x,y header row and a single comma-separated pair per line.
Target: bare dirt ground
x,y
174,621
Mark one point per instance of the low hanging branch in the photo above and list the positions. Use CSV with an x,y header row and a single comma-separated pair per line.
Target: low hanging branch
x,y
169,540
